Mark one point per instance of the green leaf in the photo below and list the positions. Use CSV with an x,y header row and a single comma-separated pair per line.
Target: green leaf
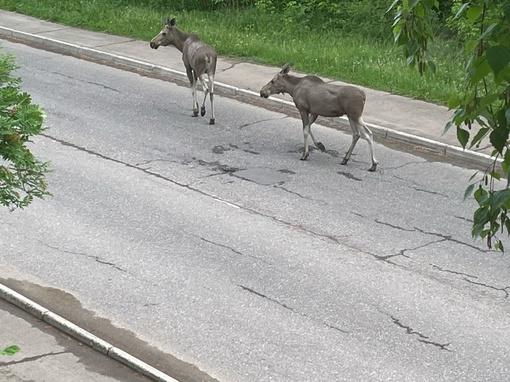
x,y
498,57
431,66
447,126
454,101
498,139
10,350
477,230
479,136
481,195
470,46
479,70
419,10
392,5
501,119
498,198
480,216
462,136
507,225
473,176
487,31
469,191
461,10
495,175
506,11
474,12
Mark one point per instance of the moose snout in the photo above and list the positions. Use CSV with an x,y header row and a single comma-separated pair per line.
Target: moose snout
x,y
264,94
154,45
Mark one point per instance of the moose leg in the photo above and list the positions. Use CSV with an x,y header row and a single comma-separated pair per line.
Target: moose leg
x,y
367,135
206,91
359,129
193,85
319,145
211,96
306,131
355,138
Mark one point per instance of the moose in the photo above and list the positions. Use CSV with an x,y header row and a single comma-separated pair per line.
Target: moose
x,y
313,97
198,57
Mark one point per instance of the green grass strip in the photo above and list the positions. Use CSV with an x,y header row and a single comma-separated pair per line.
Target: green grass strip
x,y
258,37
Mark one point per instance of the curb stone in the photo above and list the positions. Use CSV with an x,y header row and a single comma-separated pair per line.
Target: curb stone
x,y
82,335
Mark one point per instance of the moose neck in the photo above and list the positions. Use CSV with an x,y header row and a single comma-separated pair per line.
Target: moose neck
x,y
290,83
181,38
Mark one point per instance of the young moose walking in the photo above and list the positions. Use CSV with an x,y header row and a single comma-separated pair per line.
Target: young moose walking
x,y
198,57
313,97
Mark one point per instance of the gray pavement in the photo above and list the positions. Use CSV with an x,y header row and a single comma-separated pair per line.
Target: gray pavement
x,y
53,348
47,354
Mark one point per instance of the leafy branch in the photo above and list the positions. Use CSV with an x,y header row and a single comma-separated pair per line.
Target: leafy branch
x,y
21,174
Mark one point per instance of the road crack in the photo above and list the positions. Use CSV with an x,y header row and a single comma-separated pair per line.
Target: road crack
x,y
443,237
421,337
96,258
260,121
86,82
331,326
33,358
229,248
403,251
292,192
454,272
226,169
504,290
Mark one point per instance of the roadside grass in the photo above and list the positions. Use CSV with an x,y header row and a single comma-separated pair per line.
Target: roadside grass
x,y
259,37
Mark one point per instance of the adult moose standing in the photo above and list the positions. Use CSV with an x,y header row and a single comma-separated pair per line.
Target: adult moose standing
x,y
198,57
313,97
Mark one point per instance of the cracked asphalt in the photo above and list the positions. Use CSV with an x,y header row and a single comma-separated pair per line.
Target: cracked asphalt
x,y
217,255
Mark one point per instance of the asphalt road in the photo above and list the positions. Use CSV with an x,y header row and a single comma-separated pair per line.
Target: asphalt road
x,y
215,248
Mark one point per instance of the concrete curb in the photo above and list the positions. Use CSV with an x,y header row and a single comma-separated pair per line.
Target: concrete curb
x,y
113,59
82,335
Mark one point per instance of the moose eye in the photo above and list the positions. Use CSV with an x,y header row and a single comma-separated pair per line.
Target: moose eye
x,y
272,82
164,33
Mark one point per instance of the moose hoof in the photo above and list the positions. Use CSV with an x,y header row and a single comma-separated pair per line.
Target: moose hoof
x,y
320,146
304,157
202,111
211,121
373,168
344,162
195,113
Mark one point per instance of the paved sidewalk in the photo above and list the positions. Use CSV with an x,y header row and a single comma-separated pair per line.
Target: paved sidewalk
x,y
52,349
389,116
49,355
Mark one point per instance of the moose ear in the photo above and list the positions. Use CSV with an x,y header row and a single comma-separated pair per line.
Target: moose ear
x,y
285,68
172,22
167,21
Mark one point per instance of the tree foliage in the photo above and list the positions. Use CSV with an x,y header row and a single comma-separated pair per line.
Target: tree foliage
x,y
327,15
21,174
482,112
